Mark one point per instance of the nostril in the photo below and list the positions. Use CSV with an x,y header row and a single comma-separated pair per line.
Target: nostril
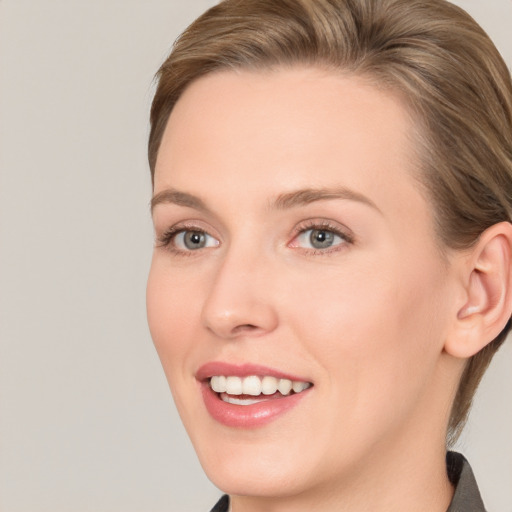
x,y
244,328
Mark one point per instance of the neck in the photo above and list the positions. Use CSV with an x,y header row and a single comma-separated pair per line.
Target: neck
x,y
406,482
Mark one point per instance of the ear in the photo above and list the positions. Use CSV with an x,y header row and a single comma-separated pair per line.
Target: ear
x,y
487,281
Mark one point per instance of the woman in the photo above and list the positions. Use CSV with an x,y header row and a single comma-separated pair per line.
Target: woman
x,y
332,272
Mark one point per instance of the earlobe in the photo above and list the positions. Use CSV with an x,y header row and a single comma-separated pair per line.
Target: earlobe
x,y
488,293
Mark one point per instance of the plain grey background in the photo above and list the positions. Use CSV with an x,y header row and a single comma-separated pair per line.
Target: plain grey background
x,y
86,419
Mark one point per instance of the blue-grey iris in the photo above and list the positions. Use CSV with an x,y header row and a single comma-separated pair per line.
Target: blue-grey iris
x,y
194,240
321,239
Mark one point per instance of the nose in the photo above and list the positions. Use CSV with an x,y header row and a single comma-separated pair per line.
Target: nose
x,y
239,302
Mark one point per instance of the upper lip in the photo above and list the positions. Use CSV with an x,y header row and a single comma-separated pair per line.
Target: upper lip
x,y
242,370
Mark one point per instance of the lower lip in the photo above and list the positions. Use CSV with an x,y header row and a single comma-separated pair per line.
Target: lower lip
x,y
247,416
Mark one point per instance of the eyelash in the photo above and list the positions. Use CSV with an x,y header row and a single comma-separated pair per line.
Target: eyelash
x,y
167,238
324,225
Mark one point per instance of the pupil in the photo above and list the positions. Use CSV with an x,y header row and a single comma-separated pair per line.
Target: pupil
x,y
194,240
320,239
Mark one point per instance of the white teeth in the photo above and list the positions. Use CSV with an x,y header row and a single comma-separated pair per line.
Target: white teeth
x,y
218,383
239,401
269,385
299,386
254,386
234,385
251,385
284,386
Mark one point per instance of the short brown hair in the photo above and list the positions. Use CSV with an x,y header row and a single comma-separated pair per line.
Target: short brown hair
x,y
431,52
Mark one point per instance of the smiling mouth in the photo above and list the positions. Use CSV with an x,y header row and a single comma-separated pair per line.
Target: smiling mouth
x,y
254,389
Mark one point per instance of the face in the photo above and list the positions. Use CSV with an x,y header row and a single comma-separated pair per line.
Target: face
x,y
295,249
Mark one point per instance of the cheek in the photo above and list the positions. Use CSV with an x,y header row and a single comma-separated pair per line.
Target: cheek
x,y
172,311
375,330
343,314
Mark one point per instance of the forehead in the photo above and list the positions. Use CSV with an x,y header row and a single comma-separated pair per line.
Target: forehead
x,y
288,129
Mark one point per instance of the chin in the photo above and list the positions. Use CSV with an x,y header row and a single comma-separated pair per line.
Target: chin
x,y
264,463
256,477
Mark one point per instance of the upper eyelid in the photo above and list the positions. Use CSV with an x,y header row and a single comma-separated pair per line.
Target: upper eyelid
x,y
301,226
327,225
191,225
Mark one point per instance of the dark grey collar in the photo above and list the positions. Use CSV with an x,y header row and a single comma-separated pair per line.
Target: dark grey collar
x,y
466,498
222,505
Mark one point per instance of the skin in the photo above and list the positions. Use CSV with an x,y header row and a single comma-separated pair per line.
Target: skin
x,y
365,320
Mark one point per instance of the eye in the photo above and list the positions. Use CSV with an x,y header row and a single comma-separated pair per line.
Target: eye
x,y
318,239
321,238
182,240
192,240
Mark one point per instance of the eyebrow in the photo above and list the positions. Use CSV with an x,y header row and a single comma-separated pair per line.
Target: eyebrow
x,y
310,195
281,202
173,196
